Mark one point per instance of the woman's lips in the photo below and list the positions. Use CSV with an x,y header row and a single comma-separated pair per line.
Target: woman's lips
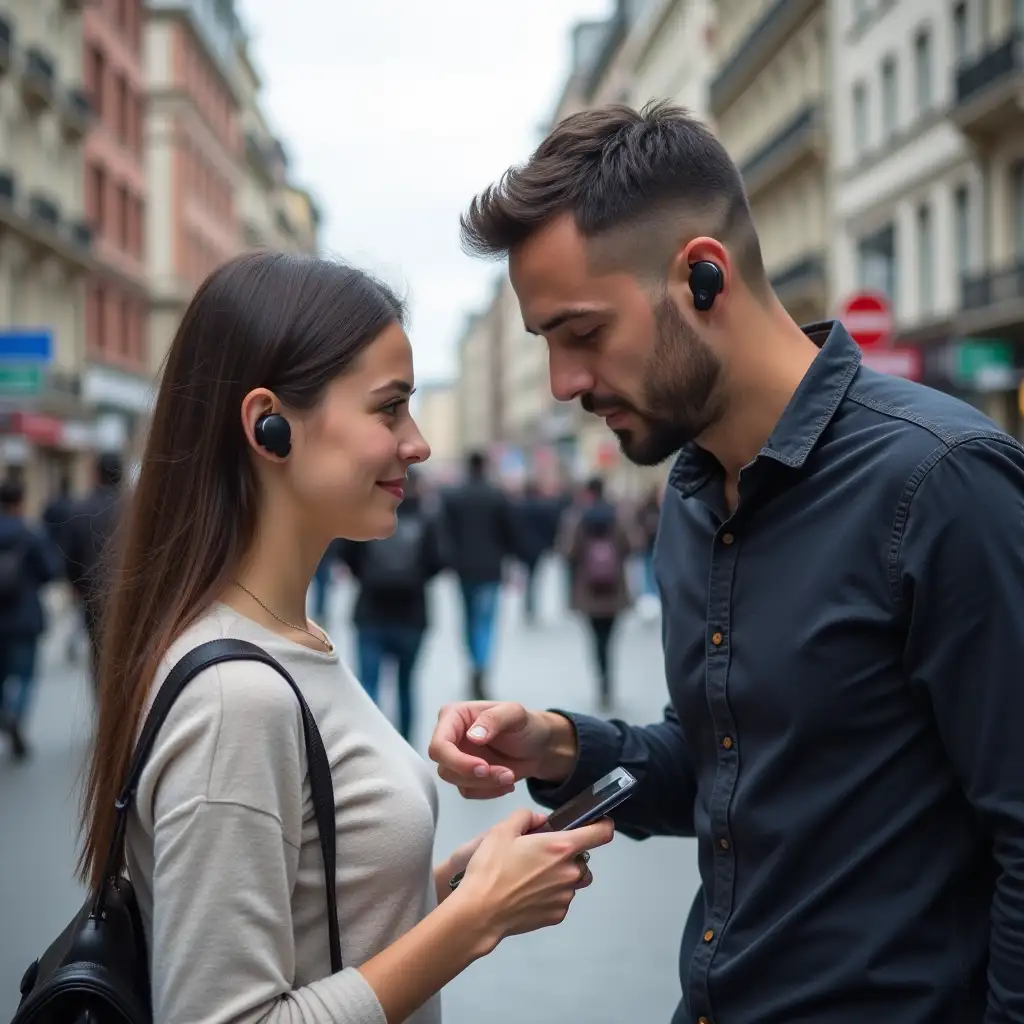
x,y
396,488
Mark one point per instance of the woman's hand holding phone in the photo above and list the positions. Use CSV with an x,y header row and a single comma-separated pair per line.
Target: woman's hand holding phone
x,y
518,882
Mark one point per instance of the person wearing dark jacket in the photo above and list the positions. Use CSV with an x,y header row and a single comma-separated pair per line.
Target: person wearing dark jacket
x,y
391,612
28,561
537,519
479,534
92,525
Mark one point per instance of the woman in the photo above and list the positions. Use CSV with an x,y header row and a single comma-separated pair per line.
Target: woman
x,y
224,532
597,547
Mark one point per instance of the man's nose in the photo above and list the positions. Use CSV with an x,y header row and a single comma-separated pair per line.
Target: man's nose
x,y
568,378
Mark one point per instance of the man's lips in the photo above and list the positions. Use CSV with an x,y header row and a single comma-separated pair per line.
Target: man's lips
x,y
393,487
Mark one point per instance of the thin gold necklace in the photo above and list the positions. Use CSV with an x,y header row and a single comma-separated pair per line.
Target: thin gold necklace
x,y
324,639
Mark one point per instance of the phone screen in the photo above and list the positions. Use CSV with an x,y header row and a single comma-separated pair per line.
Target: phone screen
x,y
592,803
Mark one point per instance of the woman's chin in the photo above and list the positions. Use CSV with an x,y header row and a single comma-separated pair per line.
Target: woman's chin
x,y
375,527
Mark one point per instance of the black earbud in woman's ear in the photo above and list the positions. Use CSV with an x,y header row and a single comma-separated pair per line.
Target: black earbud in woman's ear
x,y
705,284
274,433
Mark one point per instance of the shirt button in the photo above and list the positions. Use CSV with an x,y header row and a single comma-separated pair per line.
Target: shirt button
x,y
727,538
717,638
727,743
723,843
709,935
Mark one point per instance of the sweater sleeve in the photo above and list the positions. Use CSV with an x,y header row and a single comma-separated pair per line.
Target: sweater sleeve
x,y
226,824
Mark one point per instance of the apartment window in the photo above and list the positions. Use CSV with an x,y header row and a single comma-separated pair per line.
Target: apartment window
x,y
93,188
876,258
1017,179
136,239
127,326
960,37
122,99
123,218
925,260
923,70
99,193
860,118
101,317
962,228
890,98
96,70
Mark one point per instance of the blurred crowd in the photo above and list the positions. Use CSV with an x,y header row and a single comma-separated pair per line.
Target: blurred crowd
x,y
489,536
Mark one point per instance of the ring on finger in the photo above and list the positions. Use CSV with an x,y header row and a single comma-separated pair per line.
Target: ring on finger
x,y
583,859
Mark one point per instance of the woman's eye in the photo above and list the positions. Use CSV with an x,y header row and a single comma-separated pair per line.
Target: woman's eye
x,y
392,408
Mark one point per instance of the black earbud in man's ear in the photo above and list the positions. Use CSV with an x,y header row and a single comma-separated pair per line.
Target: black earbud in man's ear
x,y
274,434
705,284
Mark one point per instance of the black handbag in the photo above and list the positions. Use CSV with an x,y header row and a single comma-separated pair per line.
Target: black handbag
x,y
97,971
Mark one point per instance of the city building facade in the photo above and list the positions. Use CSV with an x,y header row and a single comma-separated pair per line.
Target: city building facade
x,y
116,378
436,408
927,148
195,153
46,245
768,104
480,381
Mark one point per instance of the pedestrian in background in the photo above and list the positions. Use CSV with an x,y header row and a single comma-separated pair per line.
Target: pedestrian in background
x,y
94,521
479,537
28,561
537,517
597,548
391,609
648,515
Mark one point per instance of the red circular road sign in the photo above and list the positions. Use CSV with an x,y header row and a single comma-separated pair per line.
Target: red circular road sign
x,y
868,318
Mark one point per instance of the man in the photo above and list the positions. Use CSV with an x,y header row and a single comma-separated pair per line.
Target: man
x,y
842,575
87,534
537,517
479,534
28,561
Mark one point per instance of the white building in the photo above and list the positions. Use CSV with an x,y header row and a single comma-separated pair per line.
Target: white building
x,y
924,147
45,244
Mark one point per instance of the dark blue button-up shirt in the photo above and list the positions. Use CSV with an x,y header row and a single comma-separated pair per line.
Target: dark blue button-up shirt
x,y
845,660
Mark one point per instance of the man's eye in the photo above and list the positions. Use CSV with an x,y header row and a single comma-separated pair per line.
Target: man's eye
x,y
590,335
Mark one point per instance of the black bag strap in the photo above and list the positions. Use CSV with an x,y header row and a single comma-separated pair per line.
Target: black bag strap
x,y
202,657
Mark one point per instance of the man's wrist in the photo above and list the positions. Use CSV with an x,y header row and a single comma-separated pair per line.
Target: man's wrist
x,y
561,749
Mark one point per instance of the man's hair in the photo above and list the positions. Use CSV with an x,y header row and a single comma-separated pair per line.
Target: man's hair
x,y
646,181
595,487
476,464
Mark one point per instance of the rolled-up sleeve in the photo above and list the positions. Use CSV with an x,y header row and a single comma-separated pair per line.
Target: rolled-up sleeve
x,y
656,755
958,573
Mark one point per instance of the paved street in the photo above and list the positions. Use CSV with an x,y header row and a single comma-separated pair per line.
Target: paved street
x,y
614,960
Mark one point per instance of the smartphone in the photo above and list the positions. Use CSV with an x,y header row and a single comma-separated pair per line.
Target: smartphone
x,y
590,805
593,803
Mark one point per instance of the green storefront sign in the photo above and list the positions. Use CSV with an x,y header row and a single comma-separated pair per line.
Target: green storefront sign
x,y
977,359
20,379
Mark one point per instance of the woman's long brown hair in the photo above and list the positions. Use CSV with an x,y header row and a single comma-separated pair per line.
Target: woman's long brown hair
x,y
287,323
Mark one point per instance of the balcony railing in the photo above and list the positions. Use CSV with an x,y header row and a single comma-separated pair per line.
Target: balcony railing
x,y
6,43
39,78
8,186
44,209
790,139
997,63
764,39
807,269
978,291
82,234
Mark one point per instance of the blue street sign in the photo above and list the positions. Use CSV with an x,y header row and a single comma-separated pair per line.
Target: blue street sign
x,y
26,346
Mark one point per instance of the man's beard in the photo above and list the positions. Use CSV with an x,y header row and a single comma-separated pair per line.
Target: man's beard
x,y
680,401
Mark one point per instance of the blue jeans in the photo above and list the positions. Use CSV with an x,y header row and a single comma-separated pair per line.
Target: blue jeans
x,y
650,584
17,675
480,610
399,644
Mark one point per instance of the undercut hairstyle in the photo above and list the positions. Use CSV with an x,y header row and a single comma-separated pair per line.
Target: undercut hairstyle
x,y
639,186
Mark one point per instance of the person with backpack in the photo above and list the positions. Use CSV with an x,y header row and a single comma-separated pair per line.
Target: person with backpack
x,y
277,831
597,548
390,611
28,561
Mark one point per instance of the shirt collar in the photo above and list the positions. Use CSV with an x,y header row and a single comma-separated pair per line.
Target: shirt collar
x,y
804,419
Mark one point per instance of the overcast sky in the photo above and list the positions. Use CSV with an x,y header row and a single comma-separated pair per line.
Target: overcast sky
x,y
395,112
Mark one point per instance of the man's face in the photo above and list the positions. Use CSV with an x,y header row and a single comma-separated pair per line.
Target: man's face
x,y
627,355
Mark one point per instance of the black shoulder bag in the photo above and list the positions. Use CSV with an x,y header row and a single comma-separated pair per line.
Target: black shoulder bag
x,y
97,971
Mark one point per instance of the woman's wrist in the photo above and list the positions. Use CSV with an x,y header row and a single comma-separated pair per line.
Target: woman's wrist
x,y
442,876
473,921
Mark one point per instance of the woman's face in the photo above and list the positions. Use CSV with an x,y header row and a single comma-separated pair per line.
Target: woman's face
x,y
350,454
